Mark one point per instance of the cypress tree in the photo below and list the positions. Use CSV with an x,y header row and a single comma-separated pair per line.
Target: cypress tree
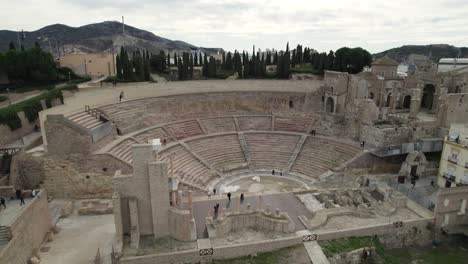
x,y
11,46
175,59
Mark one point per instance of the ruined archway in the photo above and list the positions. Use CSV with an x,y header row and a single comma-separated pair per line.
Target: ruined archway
x,y
330,105
414,166
428,96
407,102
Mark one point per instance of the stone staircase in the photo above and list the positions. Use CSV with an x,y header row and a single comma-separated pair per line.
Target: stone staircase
x,y
86,119
5,235
245,149
294,155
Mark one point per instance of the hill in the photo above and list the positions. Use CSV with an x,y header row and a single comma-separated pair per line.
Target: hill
x,y
415,53
97,38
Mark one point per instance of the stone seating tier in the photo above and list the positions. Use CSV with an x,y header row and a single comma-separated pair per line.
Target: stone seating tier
x,y
319,155
123,150
185,129
153,134
186,167
270,151
222,151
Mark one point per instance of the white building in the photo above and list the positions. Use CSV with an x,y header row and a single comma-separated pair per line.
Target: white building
x,y
450,64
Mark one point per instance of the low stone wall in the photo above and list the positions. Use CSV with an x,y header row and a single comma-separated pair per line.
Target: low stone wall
x,y
7,191
219,252
396,234
28,230
259,219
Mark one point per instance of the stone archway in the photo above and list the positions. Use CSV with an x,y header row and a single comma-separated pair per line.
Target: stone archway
x,y
428,96
329,105
407,102
414,165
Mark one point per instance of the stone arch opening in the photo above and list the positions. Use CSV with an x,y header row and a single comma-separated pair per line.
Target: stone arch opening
x,y
414,166
389,98
371,96
291,104
407,102
428,96
329,105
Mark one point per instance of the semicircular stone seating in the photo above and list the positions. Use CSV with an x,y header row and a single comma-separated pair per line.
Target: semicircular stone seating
x,y
203,150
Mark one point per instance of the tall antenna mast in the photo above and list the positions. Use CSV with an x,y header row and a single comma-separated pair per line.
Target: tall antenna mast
x,y
123,26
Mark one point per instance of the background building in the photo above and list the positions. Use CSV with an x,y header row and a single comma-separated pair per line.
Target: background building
x,y
453,168
90,64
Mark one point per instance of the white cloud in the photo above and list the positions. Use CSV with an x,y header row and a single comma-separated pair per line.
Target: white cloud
x,y
239,24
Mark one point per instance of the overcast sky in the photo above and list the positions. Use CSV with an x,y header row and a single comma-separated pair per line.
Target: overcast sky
x,y
239,24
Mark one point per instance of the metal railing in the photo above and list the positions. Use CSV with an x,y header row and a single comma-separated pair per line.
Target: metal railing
x,y
412,194
96,113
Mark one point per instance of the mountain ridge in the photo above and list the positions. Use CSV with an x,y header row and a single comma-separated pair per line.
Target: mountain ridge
x,y
96,37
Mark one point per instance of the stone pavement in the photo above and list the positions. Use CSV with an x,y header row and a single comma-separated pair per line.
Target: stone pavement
x,y
285,202
8,215
315,253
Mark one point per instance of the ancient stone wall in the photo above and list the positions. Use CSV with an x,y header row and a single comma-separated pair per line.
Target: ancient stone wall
x,y
181,226
9,136
411,232
457,109
258,220
66,139
79,176
29,230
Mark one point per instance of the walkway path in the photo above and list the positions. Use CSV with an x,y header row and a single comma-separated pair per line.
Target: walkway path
x,y
315,253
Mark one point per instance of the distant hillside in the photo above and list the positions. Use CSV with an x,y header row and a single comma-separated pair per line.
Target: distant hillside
x,y
97,38
410,53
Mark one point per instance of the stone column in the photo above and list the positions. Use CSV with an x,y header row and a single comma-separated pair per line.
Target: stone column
x,y
134,223
179,199
260,202
415,103
174,198
159,194
190,203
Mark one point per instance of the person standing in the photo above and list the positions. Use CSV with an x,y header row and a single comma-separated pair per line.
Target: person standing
x,y
229,196
2,202
241,198
121,96
214,191
21,197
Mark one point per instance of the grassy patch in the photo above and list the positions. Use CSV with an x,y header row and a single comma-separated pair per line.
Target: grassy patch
x,y
333,247
31,107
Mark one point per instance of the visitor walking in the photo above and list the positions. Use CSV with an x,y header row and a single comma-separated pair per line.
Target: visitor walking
x,y
273,172
241,198
229,196
21,197
2,202
214,191
121,96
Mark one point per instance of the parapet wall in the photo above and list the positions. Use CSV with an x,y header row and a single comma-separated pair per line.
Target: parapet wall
x,y
219,252
259,220
28,231
136,114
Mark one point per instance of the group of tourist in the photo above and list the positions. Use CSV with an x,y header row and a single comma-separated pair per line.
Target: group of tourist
x,y
19,196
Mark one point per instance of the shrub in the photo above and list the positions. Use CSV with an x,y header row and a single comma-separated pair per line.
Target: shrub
x,y
31,107
3,98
